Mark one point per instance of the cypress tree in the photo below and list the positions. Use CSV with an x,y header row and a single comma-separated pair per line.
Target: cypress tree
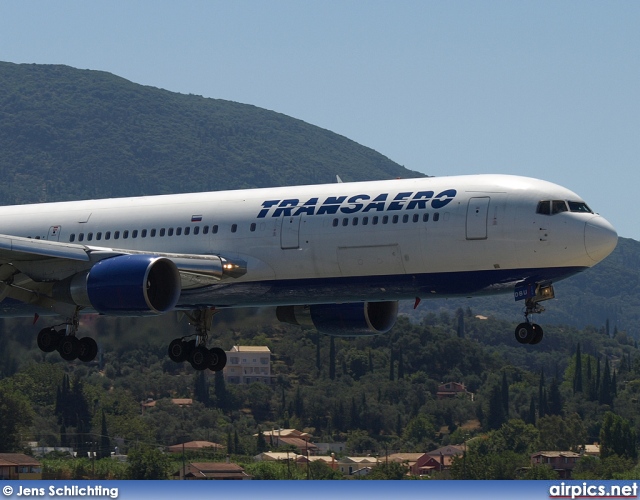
x,y
505,394
332,358
577,377
105,441
532,411
400,365
555,398
391,367
496,416
542,398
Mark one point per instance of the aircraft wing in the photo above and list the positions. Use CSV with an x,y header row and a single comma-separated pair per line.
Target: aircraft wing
x,y
44,260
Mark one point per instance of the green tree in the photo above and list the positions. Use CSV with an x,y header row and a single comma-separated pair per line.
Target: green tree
x,y
148,463
617,437
388,470
16,416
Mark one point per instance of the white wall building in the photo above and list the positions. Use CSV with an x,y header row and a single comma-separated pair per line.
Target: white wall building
x,y
248,364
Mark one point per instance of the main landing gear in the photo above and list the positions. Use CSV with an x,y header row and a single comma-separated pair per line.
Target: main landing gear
x,y
66,342
195,350
528,332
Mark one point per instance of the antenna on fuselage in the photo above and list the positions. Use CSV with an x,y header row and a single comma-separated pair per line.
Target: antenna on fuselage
x,y
338,179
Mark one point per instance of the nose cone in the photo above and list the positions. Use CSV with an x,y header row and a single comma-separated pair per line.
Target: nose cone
x,y
600,238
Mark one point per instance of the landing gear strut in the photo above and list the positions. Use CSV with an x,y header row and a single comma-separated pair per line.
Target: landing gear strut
x,y
66,342
195,350
528,332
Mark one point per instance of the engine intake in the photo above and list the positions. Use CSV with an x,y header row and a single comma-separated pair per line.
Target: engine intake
x,y
343,320
125,285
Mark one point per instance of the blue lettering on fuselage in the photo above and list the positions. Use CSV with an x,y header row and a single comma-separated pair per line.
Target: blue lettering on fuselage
x,y
357,203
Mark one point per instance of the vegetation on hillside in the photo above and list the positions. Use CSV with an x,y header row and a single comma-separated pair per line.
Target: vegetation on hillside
x,y
72,134
377,393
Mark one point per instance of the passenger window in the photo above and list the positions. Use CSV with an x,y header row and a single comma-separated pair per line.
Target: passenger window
x,y
252,228
89,236
365,221
116,235
416,217
196,230
374,220
405,218
72,238
355,221
187,230
143,233
153,233
162,231
107,235
134,233
345,222
425,218
214,229
125,235
81,237
170,232
436,217
385,219
178,231
205,230
99,236
234,228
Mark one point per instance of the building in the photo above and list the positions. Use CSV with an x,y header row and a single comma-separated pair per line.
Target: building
x,y
211,470
290,437
196,446
452,390
351,465
19,466
563,462
248,364
278,456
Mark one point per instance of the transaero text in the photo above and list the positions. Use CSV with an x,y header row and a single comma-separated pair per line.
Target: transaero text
x,y
365,203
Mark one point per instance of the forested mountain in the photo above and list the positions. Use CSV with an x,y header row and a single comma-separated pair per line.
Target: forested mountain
x,y
69,134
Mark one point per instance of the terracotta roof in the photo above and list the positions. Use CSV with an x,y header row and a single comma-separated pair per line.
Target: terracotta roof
x,y
12,459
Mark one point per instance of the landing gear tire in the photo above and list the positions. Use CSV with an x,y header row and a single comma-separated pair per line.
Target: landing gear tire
x,y
69,348
537,336
49,339
525,333
87,349
200,358
178,350
217,359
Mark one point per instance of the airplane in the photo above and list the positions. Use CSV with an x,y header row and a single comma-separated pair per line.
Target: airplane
x,y
337,257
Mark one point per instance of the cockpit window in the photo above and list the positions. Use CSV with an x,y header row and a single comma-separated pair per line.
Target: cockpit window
x,y
579,206
558,206
552,207
544,208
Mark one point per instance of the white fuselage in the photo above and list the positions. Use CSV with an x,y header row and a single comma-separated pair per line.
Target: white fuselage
x,y
380,240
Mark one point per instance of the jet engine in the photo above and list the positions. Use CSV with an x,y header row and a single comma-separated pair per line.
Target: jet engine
x,y
126,285
343,320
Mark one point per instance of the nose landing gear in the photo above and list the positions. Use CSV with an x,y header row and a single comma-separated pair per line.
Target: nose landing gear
x,y
528,332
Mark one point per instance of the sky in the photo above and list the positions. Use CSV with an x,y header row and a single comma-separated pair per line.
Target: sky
x,y
547,89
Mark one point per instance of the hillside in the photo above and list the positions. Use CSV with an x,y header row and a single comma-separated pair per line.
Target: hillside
x,y
67,133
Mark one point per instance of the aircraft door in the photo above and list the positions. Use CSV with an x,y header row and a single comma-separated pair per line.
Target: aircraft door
x,y
477,214
54,233
290,232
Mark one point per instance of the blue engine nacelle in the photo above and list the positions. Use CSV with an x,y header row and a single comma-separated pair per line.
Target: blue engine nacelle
x,y
343,320
133,285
